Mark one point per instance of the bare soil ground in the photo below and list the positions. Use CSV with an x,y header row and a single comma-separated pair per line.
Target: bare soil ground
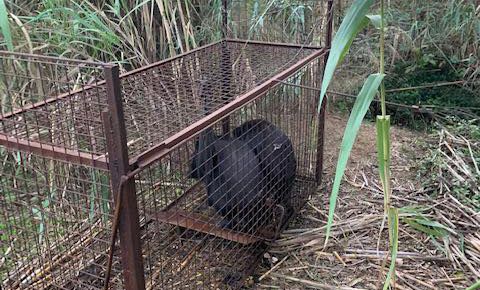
x,y
355,257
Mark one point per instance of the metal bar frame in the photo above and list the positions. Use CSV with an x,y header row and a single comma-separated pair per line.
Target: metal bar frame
x,y
55,152
100,161
119,163
321,116
158,151
178,217
281,44
129,226
143,68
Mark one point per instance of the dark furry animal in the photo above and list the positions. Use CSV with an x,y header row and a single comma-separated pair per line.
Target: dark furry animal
x,y
231,172
275,155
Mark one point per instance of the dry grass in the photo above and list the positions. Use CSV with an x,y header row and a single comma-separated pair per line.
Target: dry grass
x,y
355,258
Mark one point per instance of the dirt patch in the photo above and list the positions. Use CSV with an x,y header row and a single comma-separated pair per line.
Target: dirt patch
x,y
355,256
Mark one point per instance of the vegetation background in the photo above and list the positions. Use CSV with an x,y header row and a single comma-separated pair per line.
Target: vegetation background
x,y
428,42
432,65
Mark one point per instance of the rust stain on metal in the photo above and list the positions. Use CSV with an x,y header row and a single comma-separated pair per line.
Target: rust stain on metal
x,y
199,223
129,225
56,152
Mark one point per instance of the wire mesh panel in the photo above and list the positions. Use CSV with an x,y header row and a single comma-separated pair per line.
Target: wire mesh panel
x,y
55,223
206,209
55,200
159,100
222,151
53,104
227,69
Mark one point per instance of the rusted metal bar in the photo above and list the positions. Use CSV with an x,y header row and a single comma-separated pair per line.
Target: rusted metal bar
x,y
321,116
328,42
199,223
129,226
55,152
156,152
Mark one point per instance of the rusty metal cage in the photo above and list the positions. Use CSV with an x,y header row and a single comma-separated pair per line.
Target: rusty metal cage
x,y
86,151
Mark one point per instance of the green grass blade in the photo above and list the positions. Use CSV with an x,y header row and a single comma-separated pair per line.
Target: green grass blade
x,y
433,224
116,8
380,148
474,286
393,230
93,192
383,150
376,20
5,25
134,9
431,231
354,21
415,218
364,98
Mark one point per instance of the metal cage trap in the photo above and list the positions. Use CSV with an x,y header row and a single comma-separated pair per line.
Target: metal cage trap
x,y
199,159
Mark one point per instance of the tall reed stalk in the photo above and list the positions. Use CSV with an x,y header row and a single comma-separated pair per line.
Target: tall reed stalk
x,y
355,20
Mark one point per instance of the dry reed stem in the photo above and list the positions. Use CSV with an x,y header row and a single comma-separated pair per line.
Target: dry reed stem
x,y
423,262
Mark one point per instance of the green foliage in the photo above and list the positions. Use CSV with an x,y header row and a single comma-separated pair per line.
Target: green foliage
x,y
135,32
416,218
383,154
376,20
76,24
448,30
393,235
475,286
37,194
429,70
428,42
354,21
365,97
450,99
274,20
5,26
129,32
